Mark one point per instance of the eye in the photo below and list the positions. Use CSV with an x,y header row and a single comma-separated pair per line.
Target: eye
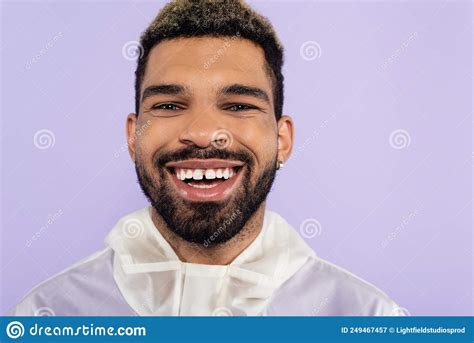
x,y
166,107
240,107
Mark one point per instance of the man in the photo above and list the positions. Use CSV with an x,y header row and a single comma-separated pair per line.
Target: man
x,y
207,138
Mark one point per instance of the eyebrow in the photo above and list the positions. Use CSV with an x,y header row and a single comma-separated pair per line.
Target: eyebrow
x,y
164,89
234,89
239,89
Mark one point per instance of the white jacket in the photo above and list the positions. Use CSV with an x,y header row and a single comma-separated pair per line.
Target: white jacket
x,y
138,273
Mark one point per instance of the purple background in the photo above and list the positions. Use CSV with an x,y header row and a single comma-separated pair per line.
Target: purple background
x,y
396,212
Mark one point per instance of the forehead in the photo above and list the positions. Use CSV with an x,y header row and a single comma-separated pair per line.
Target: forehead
x,y
207,62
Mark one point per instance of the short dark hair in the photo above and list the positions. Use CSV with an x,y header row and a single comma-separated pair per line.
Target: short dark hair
x,y
217,18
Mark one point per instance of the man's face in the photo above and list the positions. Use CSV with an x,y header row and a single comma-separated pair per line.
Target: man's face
x,y
205,143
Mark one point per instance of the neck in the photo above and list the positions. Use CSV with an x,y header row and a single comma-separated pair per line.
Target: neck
x,y
221,254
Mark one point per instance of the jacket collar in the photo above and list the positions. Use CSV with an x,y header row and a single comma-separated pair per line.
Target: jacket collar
x,y
154,281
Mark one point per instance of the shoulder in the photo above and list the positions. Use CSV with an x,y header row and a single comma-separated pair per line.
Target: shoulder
x,y
82,289
321,288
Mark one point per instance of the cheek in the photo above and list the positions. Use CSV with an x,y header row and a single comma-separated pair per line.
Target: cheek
x,y
150,140
261,140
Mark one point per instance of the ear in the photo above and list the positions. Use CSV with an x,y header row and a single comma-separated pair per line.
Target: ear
x,y
285,138
131,126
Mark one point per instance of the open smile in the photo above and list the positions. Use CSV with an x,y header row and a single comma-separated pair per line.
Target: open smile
x,y
205,180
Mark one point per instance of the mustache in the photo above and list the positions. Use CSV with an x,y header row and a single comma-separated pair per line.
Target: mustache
x,y
192,152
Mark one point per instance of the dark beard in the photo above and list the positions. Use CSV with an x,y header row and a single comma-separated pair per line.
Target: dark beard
x,y
206,223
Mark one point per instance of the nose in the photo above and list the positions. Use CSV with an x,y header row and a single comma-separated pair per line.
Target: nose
x,y
203,130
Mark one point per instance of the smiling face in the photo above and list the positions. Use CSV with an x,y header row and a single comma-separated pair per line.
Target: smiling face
x,y
206,142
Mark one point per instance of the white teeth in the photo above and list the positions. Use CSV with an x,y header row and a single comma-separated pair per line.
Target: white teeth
x,y
197,175
202,186
210,174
